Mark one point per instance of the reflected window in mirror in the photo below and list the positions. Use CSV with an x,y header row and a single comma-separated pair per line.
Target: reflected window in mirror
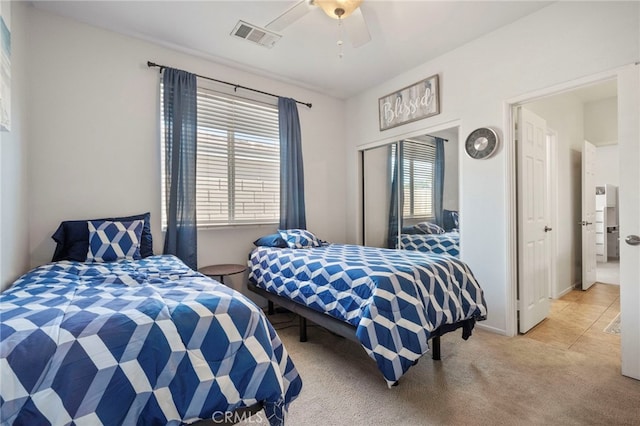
x,y
418,175
418,191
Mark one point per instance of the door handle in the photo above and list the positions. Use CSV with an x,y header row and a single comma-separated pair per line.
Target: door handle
x,y
547,229
585,223
632,240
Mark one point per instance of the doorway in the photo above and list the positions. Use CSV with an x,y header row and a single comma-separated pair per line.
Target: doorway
x,y
584,113
628,83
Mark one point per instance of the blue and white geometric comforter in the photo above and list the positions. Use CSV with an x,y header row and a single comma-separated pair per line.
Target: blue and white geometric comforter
x,y
394,298
135,342
447,243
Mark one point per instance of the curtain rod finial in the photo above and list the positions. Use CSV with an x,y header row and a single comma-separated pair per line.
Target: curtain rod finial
x,y
153,64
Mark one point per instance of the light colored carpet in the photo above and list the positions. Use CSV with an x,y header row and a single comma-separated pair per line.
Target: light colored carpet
x,y
614,326
486,380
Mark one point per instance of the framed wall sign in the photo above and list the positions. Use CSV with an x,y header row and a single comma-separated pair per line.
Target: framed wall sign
x,y
415,102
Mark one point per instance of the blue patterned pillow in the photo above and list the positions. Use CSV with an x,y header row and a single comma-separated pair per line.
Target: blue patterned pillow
x,y
299,238
109,240
429,228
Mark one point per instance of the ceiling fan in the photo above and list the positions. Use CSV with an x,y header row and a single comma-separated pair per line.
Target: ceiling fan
x,y
355,26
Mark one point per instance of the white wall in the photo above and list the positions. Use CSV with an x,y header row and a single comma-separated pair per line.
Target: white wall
x,y
14,239
607,161
601,127
94,134
601,121
560,43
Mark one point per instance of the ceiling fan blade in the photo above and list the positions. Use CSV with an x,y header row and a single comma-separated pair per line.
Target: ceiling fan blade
x,y
357,29
289,16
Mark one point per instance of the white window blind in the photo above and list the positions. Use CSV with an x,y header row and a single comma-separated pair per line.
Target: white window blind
x,y
418,175
238,161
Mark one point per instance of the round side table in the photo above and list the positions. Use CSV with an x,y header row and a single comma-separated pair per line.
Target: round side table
x,y
222,270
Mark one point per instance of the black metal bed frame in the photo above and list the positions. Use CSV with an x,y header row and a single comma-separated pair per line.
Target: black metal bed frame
x,y
344,329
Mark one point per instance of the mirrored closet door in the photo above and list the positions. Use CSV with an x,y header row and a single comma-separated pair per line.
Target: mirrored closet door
x,y
410,194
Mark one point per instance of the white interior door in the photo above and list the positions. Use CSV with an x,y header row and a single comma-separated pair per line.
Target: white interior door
x,y
533,219
629,202
588,215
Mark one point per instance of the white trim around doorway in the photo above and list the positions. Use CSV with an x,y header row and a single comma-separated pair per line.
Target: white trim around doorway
x,y
510,181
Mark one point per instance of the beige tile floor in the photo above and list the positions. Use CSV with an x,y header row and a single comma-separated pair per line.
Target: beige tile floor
x,y
578,319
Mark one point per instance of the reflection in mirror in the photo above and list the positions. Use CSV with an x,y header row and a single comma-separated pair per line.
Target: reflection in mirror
x,y
376,168
410,190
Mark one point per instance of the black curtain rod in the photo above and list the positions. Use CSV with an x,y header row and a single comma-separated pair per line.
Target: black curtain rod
x,y
430,136
438,137
235,86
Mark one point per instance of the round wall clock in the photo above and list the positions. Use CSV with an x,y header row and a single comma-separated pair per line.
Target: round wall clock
x,y
481,143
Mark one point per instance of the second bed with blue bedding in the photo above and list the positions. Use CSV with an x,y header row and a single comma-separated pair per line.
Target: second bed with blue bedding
x,y
446,243
394,298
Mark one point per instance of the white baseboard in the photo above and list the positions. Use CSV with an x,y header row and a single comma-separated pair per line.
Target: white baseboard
x,y
567,290
491,329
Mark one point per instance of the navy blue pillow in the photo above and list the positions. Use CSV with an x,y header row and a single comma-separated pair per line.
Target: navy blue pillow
x,y
450,219
72,237
272,240
411,230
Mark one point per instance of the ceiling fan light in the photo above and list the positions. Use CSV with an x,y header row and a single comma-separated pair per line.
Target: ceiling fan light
x,y
330,6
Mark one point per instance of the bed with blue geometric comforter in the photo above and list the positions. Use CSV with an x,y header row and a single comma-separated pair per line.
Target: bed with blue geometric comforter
x,y
135,342
394,298
447,243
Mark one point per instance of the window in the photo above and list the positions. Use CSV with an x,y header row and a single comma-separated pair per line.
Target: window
x,y
418,165
238,161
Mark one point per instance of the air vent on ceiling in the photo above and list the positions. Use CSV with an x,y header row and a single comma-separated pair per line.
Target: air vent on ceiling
x,y
255,34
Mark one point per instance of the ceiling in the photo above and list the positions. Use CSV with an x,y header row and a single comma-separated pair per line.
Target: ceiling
x,y
404,34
